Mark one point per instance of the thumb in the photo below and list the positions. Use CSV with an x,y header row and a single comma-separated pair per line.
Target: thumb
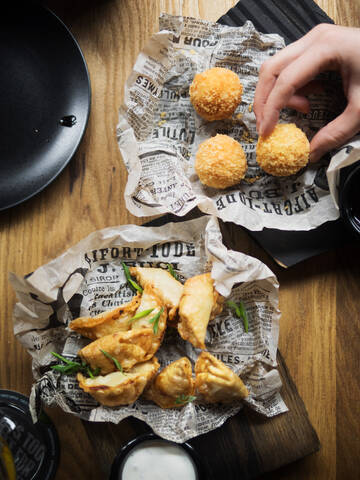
x,y
335,133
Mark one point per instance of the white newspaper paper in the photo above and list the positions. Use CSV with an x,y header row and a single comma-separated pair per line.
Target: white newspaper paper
x,y
346,156
159,132
89,279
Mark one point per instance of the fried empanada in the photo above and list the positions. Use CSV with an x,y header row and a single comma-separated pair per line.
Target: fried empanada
x,y
113,321
128,348
173,385
149,300
199,303
216,382
164,284
120,388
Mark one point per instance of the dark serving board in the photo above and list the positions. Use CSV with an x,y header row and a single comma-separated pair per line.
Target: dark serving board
x,y
246,446
291,20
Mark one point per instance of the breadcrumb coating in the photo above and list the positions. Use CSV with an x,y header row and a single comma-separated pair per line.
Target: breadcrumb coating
x,y
216,93
220,162
284,152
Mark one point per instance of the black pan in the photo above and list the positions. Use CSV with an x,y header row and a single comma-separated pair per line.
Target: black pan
x,y
44,100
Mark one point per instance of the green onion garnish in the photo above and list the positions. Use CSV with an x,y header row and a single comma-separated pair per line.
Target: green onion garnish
x,y
172,271
142,314
71,367
183,399
113,359
133,285
240,312
155,320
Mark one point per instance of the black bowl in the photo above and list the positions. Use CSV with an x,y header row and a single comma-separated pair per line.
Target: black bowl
x,y
349,197
118,464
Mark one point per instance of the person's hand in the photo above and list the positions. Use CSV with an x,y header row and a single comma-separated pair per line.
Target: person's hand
x,y
285,78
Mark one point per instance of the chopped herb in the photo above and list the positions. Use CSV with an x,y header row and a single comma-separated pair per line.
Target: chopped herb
x,y
155,320
172,271
142,314
113,359
71,367
182,399
134,286
240,312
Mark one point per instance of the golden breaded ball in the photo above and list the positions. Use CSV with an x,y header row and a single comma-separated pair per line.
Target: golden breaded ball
x,y
216,93
220,162
284,152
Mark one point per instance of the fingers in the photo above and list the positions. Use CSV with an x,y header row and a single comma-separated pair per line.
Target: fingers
x,y
335,133
269,72
299,103
297,74
271,69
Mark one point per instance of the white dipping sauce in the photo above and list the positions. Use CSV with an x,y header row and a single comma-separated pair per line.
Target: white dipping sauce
x,y
158,460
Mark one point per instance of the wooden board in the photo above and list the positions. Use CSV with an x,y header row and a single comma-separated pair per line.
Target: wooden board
x,y
246,446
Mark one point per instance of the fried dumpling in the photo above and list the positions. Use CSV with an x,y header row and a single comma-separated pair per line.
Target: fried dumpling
x,y
128,348
149,300
119,388
113,321
164,284
216,382
173,386
199,304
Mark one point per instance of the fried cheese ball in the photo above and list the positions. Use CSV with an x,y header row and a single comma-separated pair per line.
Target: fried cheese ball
x,y
220,162
284,152
216,93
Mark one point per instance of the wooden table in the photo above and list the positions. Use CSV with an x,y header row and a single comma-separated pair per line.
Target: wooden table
x,y
319,299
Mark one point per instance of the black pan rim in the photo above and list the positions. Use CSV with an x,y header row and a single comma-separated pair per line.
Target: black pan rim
x,y
82,133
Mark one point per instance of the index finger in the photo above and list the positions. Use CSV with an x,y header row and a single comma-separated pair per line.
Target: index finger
x,y
271,69
297,74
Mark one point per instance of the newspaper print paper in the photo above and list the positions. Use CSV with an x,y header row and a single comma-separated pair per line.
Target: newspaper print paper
x,y
89,279
344,157
159,132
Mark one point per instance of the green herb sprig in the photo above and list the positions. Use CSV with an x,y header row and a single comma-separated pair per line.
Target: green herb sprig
x,y
113,359
183,399
240,312
133,285
71,367
172,271
155,320
142,314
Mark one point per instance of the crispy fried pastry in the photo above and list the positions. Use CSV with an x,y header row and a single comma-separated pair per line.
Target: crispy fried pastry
x,y
220,162
173,383
164,284
198,305
105,323
216,93
119,388
128,348
216,382
284,152
149,300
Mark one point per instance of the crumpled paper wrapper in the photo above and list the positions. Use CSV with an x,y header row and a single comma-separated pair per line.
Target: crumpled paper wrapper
x,y
88,279
159,131
344,157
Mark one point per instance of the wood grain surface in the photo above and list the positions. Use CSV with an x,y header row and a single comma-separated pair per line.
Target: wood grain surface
x,y
319,298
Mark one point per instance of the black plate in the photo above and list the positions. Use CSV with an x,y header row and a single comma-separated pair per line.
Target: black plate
x,y
44,101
